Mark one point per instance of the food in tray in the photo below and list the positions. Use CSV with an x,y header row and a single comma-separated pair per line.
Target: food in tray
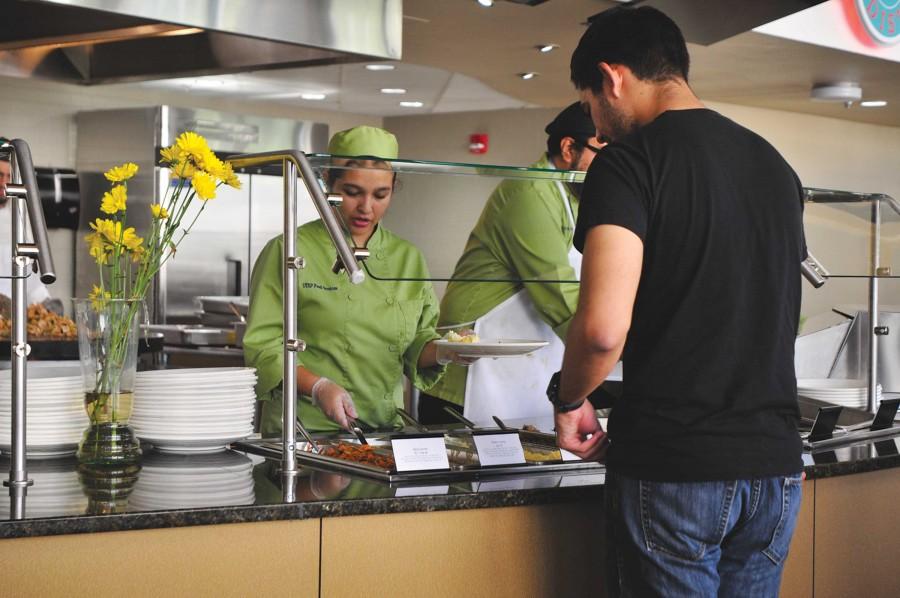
x,y
360,453
540,454
43,324
463,336
530,428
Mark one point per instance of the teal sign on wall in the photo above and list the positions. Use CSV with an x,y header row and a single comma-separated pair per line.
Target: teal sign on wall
x,y
882,19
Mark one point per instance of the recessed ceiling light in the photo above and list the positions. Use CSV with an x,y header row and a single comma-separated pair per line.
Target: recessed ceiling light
x,y
842,91
528,75
412,104
486,3
380,67
873,104
546,48
312,96
394,90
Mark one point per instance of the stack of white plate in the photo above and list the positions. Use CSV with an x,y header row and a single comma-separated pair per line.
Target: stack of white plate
x,y
55,418
194,410
56,490
837,391
171,481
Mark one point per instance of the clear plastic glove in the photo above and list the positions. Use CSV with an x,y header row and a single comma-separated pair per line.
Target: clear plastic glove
x,y
444,355
334,401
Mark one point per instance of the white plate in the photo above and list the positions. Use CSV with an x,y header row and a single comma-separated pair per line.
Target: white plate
x,y
210,445
183,415
832,383
190,430
494,347
194,435
202,396
233,374
49,451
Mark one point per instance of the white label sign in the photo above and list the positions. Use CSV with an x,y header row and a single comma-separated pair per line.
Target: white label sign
x,y
567,456
420,454
421,490
504,448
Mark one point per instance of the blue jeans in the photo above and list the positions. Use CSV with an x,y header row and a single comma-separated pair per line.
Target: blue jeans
x,y
723,538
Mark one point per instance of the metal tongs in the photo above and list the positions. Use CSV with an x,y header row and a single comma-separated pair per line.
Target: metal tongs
x,y
302,431
542,438
409,419
354,426
459,417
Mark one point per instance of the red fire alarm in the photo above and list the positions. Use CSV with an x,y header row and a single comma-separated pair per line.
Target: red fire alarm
x,y
478,143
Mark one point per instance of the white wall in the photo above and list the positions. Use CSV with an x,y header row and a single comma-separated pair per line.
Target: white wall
x,y
825,152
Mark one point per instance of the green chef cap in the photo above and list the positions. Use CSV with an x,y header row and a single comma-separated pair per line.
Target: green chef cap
x,y
364,141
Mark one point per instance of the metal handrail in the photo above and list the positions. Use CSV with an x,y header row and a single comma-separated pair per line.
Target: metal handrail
x,y
293,161
24,190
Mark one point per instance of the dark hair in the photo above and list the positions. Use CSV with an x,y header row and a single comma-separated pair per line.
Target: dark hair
x,y
643,39
332,175
4,157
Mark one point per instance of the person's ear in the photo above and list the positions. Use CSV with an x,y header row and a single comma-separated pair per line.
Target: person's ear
x,y
566,149
613,77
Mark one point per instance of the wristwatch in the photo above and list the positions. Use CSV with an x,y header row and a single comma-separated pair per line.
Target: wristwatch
x,y
553,395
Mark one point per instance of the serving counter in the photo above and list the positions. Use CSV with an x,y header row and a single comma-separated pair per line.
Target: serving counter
x,y
220,525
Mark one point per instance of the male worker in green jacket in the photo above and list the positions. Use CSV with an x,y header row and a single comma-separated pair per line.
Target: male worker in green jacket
x,y
524,233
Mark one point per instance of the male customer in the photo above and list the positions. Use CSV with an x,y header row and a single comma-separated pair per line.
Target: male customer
x,y
691,230
524,233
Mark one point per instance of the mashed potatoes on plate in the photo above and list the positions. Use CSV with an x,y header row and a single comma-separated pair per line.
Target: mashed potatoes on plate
x,y
463,336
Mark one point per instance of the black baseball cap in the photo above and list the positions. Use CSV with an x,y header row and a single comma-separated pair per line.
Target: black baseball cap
x,y
571,122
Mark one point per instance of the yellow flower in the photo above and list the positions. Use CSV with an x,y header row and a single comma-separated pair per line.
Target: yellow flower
x,y
159,212
121,173
211,164
183,170
98,297
137,254
130,240
170,155
204,185
229,178
193,145
108,230
98,248
114,200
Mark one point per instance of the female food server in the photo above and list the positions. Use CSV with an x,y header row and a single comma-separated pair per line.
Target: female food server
x,y
360,339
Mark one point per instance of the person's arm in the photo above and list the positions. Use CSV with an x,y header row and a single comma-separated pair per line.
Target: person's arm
x,y
264,338
611,271
529,232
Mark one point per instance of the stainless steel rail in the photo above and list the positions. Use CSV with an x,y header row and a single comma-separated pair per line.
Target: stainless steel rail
x,y
293,161
25,190
817,275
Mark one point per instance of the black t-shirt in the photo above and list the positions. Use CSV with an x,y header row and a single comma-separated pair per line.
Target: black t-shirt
x,y
709,390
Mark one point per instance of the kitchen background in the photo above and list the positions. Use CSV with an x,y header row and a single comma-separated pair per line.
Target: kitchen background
x,y
828,145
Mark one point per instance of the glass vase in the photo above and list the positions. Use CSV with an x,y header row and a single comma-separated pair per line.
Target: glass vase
x,y
107,347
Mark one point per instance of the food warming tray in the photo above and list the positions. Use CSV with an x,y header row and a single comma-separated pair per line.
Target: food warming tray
x,y
272,449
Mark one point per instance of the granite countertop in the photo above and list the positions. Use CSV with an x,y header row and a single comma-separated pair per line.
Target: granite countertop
x,y
230,487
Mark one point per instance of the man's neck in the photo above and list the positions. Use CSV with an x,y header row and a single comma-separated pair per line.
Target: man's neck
x,y
662,97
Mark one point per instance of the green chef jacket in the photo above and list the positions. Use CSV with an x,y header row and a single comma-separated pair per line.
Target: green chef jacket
x,y
363,337
524,232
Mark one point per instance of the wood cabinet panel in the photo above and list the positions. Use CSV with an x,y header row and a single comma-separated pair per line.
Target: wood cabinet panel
x,y
857,539
549,550
797,581
216,560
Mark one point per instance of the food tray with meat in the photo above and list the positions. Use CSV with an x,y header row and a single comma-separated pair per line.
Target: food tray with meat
x,y
376,460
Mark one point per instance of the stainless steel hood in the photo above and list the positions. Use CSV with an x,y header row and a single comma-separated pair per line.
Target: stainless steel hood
x,y
106,41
